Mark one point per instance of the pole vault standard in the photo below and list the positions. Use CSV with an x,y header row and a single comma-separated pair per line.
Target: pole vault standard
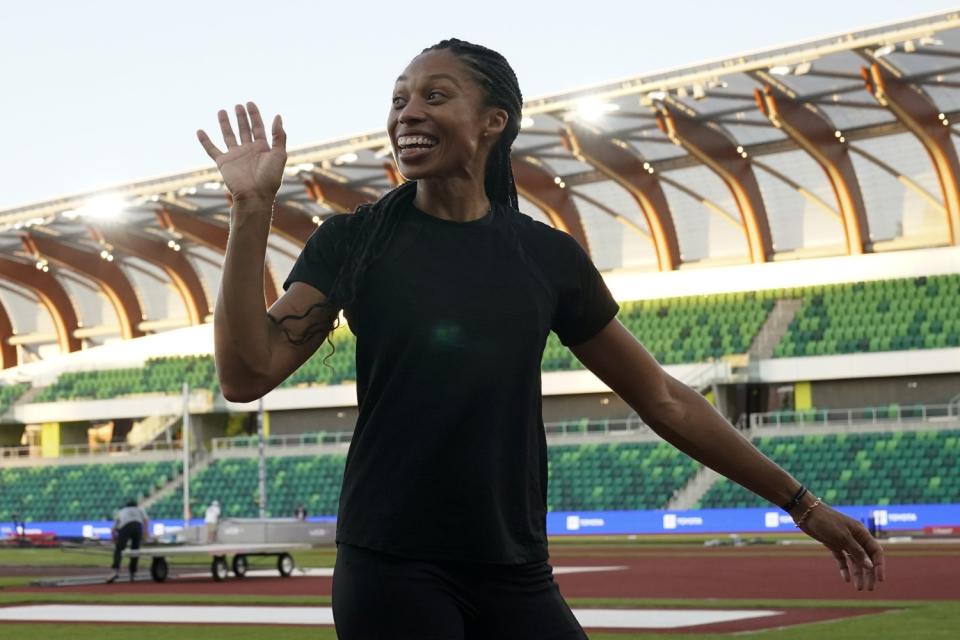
x,y
261,463
185,433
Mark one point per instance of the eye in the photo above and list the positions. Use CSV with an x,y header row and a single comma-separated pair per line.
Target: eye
x,y
397,101
435,93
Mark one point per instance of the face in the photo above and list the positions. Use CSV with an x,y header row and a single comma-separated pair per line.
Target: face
x,y
439,125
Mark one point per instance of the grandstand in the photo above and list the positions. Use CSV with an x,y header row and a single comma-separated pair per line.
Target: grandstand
x,y
781,229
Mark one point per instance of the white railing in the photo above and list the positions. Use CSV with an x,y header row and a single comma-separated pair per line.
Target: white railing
x,y
86,451
892,415
584,426
288,441
596,426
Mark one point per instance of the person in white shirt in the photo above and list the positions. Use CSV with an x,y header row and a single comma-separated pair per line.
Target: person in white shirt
x,y
129,526
211,518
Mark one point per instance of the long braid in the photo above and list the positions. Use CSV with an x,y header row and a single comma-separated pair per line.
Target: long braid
x,y
377,221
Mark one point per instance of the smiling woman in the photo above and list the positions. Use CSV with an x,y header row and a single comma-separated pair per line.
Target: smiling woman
x,y
452,293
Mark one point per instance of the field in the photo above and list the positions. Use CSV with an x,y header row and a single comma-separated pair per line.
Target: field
x,y
919,600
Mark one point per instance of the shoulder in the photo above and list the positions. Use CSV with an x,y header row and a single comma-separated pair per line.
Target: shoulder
x,y
536,232
550,246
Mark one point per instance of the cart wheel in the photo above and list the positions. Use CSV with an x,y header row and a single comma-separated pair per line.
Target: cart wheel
x,y
285,564
240,566
158,569
219,568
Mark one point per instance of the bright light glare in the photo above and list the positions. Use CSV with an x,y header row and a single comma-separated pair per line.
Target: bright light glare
x,y
591,109
526,122
109,206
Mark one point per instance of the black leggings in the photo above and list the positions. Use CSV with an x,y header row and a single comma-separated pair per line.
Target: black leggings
x,y
131,532
381,596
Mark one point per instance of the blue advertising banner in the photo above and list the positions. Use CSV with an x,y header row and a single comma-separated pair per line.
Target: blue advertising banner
x,y
100,529
888,517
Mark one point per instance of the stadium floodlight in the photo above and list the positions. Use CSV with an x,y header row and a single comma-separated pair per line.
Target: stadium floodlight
x,y
109,206
803,68
346,158
779,70
526,122
592,109
930,41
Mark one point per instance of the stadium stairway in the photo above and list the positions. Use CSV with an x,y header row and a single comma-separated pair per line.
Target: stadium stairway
x,y
774,328
166,492
692,492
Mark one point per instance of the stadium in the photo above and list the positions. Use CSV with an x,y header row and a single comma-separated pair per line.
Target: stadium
x,y
782,232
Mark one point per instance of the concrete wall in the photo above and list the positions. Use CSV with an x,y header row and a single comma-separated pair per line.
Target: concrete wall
x,y
841,394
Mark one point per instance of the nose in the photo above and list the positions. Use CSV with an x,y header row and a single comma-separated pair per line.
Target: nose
x,y
411,112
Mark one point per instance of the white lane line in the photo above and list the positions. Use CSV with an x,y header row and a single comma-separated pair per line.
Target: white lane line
x,y
557,571
328,572
268,573
168,614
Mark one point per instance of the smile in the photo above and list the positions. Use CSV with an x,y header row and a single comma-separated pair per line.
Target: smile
x,y
416,142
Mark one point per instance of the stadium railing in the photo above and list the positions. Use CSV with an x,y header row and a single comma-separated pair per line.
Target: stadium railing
x,y
892,414
86,450
578,427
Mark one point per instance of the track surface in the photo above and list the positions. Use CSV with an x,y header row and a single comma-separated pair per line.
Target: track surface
x,y
915,572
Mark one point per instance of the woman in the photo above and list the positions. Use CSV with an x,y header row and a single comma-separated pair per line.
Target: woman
x,y
452,293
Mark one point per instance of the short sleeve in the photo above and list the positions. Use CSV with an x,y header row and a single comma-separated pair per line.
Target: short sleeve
x,y
584,303
319,262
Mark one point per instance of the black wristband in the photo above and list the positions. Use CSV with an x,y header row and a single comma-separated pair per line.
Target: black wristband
x,y
796,499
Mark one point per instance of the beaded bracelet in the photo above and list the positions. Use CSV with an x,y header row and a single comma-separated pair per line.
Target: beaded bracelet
x,y
795,500
805,513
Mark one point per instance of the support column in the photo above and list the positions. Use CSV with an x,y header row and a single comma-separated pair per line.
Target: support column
x,y
727,160
918,113
622,164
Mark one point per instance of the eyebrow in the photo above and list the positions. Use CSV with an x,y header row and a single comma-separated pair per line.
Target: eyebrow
x,y
436,76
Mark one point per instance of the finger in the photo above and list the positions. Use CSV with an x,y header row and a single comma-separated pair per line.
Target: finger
x,y
243,124
226,129
279,135
861,563
875,551
208,146
842,561
256,121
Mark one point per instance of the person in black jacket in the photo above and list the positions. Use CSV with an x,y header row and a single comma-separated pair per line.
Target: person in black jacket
x,y
452,292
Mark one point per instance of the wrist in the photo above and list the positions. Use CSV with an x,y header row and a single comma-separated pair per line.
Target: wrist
x,y
252,199
807,501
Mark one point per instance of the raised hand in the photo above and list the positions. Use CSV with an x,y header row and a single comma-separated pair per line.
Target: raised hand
x,y
251,168
857,553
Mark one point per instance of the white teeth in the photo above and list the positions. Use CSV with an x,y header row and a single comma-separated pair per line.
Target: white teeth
x,y
425,141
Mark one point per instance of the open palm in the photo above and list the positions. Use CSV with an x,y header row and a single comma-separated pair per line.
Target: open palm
x,y
252,167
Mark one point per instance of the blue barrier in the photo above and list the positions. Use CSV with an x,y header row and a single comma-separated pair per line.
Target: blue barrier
x,y
903,517
100,529
888,517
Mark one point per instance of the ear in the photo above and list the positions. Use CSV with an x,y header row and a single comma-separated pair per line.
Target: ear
x,y
496,122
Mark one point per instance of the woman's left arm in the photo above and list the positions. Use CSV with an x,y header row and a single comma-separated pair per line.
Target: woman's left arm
x,y
685,419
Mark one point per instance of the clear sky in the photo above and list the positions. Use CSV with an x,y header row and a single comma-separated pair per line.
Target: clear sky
x,y
104,92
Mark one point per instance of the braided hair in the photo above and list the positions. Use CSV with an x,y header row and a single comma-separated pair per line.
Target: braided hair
x,y
374,224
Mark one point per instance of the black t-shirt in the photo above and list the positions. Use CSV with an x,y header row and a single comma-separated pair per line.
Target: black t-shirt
x,y
449,459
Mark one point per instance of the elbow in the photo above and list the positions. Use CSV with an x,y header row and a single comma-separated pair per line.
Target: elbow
x,y
671,409
240,393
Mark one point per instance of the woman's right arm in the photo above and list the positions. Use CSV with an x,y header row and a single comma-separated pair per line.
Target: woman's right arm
x,y
254,353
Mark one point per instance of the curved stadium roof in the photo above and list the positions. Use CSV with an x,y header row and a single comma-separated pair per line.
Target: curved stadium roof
x,y
842,145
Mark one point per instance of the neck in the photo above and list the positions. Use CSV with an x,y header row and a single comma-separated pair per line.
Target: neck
x,y
452,198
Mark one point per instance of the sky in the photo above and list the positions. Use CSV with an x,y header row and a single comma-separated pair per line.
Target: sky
x,y
105,92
